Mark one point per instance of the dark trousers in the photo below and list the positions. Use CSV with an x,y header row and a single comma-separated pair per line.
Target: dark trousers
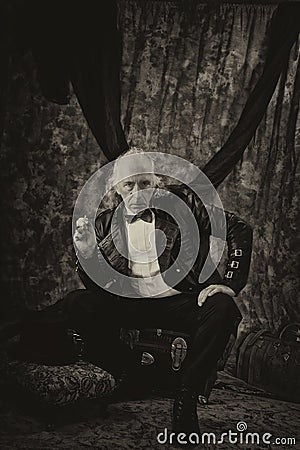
x,y
98,318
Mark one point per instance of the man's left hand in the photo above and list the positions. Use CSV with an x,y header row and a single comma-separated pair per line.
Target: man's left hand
x,y
214,289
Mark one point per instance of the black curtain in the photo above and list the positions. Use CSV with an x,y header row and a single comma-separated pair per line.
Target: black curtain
x,y
78,43
73,43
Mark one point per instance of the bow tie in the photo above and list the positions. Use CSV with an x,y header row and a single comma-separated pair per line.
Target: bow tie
x,y
145,215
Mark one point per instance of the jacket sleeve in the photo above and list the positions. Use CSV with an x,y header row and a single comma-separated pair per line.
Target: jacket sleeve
x,y
239,238
93,268
238,235
88,270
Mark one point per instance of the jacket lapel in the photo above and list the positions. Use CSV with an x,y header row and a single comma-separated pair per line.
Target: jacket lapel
x,y
114,245
165,240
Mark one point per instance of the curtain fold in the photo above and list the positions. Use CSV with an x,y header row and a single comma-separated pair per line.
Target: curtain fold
x,y
95,75
73,44
282,35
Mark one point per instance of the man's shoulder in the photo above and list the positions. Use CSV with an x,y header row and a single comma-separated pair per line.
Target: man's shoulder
x,y
185,193
178,190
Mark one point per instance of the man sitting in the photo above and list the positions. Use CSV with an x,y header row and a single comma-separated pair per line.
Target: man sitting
x,y
138,240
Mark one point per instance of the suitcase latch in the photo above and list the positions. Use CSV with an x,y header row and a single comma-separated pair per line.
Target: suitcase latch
x,y
286,356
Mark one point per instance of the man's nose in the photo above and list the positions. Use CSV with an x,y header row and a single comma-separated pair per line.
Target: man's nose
x,y
136,188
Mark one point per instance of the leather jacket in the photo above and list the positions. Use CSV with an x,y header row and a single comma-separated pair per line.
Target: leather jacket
x,y
109,258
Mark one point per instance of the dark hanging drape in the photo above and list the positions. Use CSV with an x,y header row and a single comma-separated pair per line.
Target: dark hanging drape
x,y
95,71
72,43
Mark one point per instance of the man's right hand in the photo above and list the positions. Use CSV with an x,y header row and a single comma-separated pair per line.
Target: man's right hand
x,y
85,237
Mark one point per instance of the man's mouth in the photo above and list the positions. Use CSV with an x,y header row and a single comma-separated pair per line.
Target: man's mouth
x,y
139,204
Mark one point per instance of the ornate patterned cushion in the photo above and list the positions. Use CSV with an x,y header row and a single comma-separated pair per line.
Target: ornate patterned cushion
x,y
58,385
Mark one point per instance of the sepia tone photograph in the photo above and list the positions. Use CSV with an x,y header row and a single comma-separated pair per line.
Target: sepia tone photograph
x,y
150,248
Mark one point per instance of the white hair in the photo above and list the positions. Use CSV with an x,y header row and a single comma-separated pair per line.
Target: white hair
x,y
112,198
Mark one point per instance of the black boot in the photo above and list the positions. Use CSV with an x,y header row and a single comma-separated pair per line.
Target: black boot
x,y
185,419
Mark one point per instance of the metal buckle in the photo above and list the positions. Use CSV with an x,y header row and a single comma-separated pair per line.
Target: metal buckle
x,y
286,356
178,352
130,337
238,252
229,274
203,400
234,264
158,332
134,338
78,342
147,359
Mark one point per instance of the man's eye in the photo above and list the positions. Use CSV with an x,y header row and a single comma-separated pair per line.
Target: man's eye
x,y
146,183
128,185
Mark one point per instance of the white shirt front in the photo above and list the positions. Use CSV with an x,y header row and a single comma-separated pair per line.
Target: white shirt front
x,y
143,260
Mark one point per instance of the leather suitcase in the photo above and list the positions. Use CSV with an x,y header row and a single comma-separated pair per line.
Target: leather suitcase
x,y
272,362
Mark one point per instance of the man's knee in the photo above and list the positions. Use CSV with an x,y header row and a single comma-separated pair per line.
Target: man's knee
x,y
78,306
223,305
74,297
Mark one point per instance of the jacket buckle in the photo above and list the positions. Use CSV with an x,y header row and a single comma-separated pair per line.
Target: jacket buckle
x,y
234,264
229,274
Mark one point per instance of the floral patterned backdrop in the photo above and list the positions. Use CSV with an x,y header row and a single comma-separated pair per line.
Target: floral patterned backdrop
x,y
47,155
186,75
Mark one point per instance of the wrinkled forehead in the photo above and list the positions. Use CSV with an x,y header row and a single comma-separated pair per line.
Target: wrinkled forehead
x,y
129,166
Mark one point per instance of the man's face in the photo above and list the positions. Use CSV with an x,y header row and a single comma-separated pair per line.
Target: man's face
x,y
132,187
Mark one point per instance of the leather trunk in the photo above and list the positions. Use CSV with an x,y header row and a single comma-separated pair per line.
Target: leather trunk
x,y
272,362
